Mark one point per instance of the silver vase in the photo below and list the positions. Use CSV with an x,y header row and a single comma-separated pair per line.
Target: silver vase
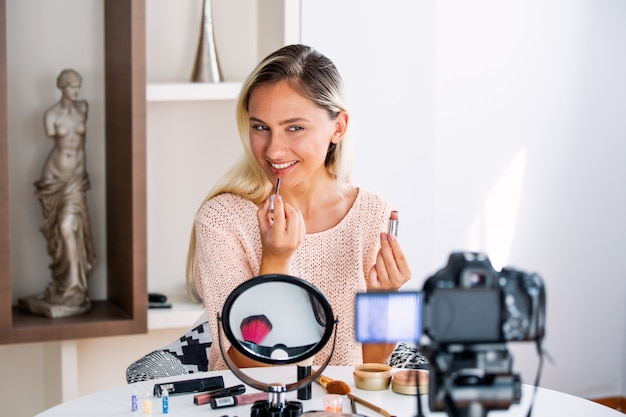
x,y
207,67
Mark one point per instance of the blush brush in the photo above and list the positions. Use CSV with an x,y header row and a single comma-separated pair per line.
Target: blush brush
x,y
333,386
255,328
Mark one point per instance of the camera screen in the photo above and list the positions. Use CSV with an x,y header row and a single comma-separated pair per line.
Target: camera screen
x,y
388,317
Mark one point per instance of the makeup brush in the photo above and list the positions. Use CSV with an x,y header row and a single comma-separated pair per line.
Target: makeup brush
x,y
255,328
341,388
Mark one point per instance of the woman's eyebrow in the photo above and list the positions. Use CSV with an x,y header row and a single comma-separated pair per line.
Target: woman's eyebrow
x,y
284,122
293,120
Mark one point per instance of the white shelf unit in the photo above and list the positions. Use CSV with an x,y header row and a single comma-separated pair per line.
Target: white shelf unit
x,y
170,92
183,314
245,32
199,118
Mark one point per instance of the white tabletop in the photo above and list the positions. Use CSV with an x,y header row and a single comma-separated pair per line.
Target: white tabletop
x,y
117,401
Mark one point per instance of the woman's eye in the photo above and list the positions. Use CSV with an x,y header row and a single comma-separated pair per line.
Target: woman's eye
x,y
259,127
295,128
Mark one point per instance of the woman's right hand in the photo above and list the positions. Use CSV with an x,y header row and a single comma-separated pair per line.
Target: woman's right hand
x,y
282,231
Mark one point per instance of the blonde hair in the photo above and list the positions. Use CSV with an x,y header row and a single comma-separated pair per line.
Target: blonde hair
x,y
316,78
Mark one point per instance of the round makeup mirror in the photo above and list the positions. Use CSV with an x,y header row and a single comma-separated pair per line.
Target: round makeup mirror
x,y
277,319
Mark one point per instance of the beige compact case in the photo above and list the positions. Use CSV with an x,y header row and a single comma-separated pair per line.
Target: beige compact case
x,y
407,381
372,376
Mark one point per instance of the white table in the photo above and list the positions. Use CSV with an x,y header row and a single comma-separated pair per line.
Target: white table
x,y
117,401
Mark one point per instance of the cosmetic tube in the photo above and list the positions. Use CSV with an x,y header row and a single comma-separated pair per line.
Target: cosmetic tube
x,y
134,401
165,401
393,223
233,400
206,397
273,196
147,403
189,386
304,393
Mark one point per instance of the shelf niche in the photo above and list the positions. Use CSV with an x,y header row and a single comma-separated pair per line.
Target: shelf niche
x,y
125,309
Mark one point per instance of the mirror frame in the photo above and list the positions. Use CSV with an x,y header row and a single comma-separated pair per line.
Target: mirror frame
x,y
261,279
224,324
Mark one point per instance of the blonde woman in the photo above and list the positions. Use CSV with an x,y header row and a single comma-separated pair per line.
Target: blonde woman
x,y
293,125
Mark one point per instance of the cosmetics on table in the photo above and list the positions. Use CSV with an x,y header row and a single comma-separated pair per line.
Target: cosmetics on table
x,y
165,401
305,392
233,400
206,397
134,402
189,386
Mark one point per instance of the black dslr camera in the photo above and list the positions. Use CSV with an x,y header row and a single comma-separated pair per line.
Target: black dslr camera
x,y
470,302
470,312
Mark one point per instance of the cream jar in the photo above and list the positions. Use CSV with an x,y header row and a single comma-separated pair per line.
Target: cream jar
x,y
407,381
372,376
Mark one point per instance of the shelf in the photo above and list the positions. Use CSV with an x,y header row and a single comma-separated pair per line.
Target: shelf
x,y
124,310
167,92
183,314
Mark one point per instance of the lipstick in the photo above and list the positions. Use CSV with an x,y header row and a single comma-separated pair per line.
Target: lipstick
x,y
274,195
206,397
234,400
393,223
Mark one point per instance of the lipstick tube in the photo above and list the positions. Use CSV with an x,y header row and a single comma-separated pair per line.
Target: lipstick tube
x,y
393,223
233,400
273,196
206,397
305,392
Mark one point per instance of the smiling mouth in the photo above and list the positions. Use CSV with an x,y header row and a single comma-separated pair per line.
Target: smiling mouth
x,y
283,166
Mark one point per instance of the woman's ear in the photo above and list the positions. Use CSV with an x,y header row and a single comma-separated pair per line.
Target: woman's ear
x,y
341,126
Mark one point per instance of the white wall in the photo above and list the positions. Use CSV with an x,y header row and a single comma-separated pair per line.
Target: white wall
x,y
457,98
501,129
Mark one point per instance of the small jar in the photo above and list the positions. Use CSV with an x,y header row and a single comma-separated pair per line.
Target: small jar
x,y
333,403
372,376
408,381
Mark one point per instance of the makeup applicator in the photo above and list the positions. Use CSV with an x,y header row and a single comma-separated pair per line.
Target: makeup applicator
x,y
274,195
255,328
333,386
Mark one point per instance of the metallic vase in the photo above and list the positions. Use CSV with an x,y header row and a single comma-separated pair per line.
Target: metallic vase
x,y
207,67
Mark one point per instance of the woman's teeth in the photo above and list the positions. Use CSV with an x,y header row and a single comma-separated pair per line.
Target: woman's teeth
x,y
282,166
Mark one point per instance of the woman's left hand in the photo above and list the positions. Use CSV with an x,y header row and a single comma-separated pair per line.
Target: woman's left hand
x,y
391,269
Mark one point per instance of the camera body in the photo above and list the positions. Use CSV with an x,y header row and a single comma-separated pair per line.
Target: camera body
x,y
468,301
469,311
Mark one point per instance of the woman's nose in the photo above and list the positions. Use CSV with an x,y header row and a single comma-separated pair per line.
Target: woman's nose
x,y
276,146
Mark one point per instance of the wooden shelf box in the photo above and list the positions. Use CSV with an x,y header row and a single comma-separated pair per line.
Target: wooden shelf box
x,y
125,309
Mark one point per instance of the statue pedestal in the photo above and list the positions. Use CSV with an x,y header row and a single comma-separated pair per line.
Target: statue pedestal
x,y
38,305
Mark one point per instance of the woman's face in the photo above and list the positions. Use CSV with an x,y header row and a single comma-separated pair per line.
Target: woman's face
x,y
289,135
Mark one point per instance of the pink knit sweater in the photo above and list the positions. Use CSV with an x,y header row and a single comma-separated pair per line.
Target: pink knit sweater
x,y
335,260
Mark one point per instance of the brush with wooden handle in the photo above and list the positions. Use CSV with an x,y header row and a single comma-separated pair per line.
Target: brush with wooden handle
x,y
333,386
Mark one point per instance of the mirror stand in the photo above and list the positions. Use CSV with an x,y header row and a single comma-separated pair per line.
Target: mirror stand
x,y
291,324
275,389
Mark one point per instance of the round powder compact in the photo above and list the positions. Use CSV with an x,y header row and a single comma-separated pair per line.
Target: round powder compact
x,y
406,381
372,376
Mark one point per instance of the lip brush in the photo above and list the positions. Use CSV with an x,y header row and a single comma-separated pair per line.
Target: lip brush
x,y
275,194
